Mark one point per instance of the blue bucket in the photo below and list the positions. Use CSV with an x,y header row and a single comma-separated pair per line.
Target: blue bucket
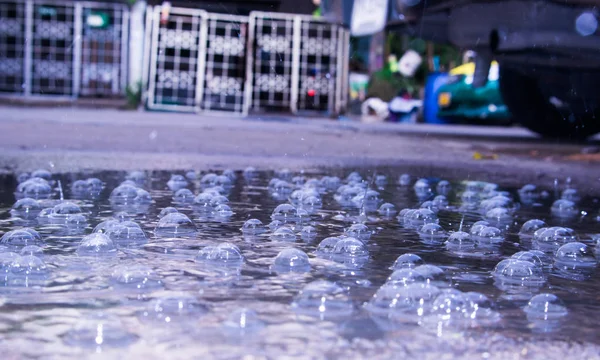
x,y
430,104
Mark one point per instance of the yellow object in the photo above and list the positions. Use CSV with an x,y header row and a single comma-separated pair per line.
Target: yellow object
x,y
479,156
444,99
467,69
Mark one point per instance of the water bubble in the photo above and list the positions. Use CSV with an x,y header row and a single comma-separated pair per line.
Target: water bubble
x,y
208,180
183,196
243,322
330,182
528,194
6,260
407,261
308,233
138,177
97,331
285,213
530,227
404,277
173,309
123,194
218,200
387,210
490,235
574,254
32,250
420,217
291,260
80,187
105,226
460,242
35,188
404,180
432,233
167,210
223,254
223,211
275,224
327,245
402,303
253,227
566,209
175,224
477,227
359,231
451,307
283,233
350,248
499,216
22,177
550,239
96,244
203,200
571,195
443,187
26,208
21,237
470,197
512,271
126,236
29,265
138,277
534,256
177,182
545,307
222,180
482,311
423,189
312,202
230,174
323,299
429,205
432,274
249,173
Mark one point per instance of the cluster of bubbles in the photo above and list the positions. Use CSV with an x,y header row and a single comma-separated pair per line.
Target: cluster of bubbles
x,y
415,292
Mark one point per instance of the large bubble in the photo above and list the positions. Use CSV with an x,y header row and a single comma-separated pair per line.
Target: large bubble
x,y
432,233
222,254
96,244
545,307
327,245
323,299
565,209
21,237
175,224
513,271
530,227
359,231
291,260
283,233
408,261
253,227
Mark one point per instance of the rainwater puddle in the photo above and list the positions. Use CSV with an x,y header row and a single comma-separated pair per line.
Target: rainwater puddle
x,y
319,265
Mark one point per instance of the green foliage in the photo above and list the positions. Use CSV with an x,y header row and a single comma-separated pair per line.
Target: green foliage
x,y
133,95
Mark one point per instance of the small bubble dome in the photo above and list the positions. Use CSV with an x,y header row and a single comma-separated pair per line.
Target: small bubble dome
x,y
520,272
32,250
469,197
407,261
451,305
97,331
350,247
534,256
528,193
477,227
177,182
6,260
359,231
105,226
183,196
167,210
308,232
26,205
387,210
482,311
142,197
571,195
275,224
96,244
422,188
75,221
291,260
499,215
323,299
125,236
65,208
124,194
530,227
283,233
29,265
173,308
460,241
550,239
135,276
432,274
575,254
253,227
440,201
404,180
421,217
223,210
218,200
443,187
35,188
562,208
545,307
284,212
243,322
413,299
404,277
175,224
490,235
432,233
327,245
224,253
21,237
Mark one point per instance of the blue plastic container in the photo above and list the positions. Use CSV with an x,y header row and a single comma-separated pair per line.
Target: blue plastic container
x,y
430,104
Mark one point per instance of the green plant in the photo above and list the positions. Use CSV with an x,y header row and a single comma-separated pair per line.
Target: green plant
x,y
133,95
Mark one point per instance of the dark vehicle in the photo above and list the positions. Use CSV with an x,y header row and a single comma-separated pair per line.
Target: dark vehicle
x,y
549,53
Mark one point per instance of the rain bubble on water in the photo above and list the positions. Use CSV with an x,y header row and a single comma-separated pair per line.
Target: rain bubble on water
x,y
545,307
21,237
291,260
404,180
574,256
359,231
253,227
478,226
26,208
135,277
564,209
285,213
518,272
167,210
460,242
283,233
308,233
29,265
323,299
175,224
173,308
96,244
222,254
407,261
327,245
490,235
432,233
177,182
98,331
349,247
387,210
404,277
530,227
183,196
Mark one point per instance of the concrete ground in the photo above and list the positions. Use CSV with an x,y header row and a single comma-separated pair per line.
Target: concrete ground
x,y
76,139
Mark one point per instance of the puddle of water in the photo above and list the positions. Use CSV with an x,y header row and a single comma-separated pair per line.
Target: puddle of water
x,y
313,278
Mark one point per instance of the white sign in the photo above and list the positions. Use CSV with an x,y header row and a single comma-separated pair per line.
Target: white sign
x,y
368,17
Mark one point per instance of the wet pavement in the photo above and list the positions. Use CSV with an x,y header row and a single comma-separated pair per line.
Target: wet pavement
x,y
76,139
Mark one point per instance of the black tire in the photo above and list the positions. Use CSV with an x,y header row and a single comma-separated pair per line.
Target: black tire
x,y
529,103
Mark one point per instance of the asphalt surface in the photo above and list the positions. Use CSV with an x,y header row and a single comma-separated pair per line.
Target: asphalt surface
x,y
76,139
